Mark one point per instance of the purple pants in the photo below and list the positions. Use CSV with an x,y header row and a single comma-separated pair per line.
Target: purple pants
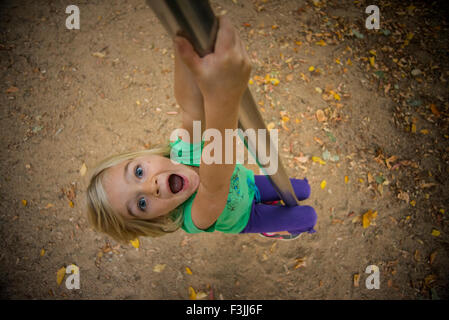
x,y
275,218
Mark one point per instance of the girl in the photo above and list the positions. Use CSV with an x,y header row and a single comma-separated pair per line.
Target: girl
x,y
144,193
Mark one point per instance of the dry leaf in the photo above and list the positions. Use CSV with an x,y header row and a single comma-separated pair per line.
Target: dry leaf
x,y
192,294
318,159
436,233
432,257
42,252
323,184
434,110
188,271
135,243
83,170
60,275
320,115
159,267
300,263
356,280
99,54
24,202
368,217
416,255
346,179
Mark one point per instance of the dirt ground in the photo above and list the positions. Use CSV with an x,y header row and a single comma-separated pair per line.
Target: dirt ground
x,y
363,114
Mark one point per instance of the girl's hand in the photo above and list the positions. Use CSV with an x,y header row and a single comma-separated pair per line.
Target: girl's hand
x,y
222,75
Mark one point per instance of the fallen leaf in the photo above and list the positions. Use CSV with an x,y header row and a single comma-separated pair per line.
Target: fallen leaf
x,y
192,294
24,202
60,275
99,54
135,243
413,203
416,255
71,204
323,184
42,252
371,61
188,271
432,257
83,170
356,280
320,115
270,126
346,179
300,263
368,217
318,159
434,110
159,268
436,233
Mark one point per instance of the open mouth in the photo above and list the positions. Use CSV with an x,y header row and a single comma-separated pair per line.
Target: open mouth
x,y
176,183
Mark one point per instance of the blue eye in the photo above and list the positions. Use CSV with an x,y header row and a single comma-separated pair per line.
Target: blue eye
x,y
142,204
138,172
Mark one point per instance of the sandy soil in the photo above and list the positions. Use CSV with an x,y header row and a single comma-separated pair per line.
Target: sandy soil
x,y
374,110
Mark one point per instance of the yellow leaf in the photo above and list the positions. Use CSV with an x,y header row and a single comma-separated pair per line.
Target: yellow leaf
x,y
321,43
434,110
356,280
410,36
371,61
42,252
274,81
413,203
251,81
373,52
188,271
349,62
285,119
159,267
346,179
413,128
83,170
337,97
435,233
424,131
318,159
323,184
368,217
60,275
71,204
298,43
135,243
192,294
442,211
270,126
24,202
311,68
338,61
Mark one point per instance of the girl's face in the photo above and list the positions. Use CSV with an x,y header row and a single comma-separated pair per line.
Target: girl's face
x,y
149,187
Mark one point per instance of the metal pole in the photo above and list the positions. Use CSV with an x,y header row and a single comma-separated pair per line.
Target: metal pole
x,y
195,20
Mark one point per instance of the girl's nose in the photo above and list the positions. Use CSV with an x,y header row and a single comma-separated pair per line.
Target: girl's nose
x,y
153,187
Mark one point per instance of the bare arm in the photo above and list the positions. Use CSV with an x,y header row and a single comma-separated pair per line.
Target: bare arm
x,y
188,96
222,78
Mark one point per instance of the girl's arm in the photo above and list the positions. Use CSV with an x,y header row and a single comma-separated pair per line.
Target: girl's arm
x,y
188,96
222,78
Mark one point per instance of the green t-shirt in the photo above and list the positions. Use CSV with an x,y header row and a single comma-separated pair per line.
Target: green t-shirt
x,y
242,190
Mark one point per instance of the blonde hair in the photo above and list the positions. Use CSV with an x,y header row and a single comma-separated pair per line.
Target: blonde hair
x,y
104,218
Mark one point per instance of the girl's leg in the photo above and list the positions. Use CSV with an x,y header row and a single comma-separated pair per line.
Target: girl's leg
x,y
268,193
271,218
